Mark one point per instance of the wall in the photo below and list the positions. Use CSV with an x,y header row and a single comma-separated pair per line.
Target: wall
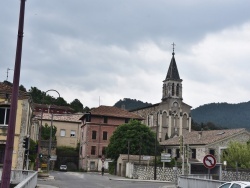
x,y
145,172
236,176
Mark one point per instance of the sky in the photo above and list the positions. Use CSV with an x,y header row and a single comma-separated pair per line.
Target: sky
x,y
101,51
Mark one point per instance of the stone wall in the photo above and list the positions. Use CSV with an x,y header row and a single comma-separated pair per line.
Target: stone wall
x,y
232,175
147,173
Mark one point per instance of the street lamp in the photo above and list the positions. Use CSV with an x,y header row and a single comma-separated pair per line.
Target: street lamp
x,y
6,172
40,131
156,135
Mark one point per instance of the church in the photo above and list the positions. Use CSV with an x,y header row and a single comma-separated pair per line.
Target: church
x,y
171,117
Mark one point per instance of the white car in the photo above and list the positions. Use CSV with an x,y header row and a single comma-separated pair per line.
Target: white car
x,y
236,184
63,168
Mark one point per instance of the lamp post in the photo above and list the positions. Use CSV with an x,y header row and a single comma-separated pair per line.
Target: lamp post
x,y
40,132
5,180
156,135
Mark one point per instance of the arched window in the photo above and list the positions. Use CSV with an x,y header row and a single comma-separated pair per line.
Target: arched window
x,y
177,90
172,89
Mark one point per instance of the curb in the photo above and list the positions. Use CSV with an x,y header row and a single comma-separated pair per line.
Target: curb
x,y
156,181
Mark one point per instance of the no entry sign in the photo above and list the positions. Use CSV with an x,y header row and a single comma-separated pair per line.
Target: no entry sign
x,y
209,161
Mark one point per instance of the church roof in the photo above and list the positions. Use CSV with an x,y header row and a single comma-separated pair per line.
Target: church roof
x,y
173,73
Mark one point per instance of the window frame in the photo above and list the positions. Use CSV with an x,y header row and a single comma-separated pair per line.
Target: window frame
x,y
104,135
5,119
94,135
93,150
61,131
74,133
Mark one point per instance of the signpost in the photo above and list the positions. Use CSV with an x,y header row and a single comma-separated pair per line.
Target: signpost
x,y
166,157
209,162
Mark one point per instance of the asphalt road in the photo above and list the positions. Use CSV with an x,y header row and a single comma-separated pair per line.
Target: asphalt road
x,y
96,180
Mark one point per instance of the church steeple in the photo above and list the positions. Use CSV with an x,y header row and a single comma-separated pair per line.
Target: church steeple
x,y
172,87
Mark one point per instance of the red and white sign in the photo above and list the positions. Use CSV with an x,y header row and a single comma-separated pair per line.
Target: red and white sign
x,y
209,161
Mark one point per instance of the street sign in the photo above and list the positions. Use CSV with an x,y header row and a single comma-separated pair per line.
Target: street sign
x,y
146,158
53,158
209,161
166,157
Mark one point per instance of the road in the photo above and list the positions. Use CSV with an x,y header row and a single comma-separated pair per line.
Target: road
x,y
95,180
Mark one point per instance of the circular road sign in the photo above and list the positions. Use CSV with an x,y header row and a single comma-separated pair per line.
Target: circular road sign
x,y
209,161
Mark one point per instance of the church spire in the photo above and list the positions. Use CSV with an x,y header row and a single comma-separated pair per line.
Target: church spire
x,y
172,86
173,73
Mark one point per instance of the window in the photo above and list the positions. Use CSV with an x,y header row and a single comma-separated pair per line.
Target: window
x,y
211,151
170,151
172,89
103,150
126,120
62,132
105,119
105,135
227,185
4,116
93,148
193,153
94,135
235,185
72,133
178,153
177,90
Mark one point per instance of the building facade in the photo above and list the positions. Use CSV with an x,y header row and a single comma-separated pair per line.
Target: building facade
x,y
96,130
22,127
171,117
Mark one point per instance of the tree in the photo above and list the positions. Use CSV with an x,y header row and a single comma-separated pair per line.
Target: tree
x,y
237,152
76,105
141,140
46,132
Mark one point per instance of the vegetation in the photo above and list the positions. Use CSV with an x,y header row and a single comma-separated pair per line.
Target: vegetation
x,y
223,114
140,138
237,152
42,97
205,126
131,104
46,132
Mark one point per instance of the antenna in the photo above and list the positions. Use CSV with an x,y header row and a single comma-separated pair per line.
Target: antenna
x,y
8,73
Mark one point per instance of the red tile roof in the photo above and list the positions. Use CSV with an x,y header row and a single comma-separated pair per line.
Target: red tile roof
x,y
112,111
204,137
6,88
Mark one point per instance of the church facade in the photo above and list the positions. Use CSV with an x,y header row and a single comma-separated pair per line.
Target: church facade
x,y
171,117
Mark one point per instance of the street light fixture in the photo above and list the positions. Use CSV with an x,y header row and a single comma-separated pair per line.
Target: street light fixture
x,y
40,131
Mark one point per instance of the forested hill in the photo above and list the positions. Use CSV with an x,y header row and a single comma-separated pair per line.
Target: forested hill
x,y
131,104
224,114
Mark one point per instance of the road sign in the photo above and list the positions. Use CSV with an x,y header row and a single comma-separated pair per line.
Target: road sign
x,y
53,158
166,157
146,158
209,161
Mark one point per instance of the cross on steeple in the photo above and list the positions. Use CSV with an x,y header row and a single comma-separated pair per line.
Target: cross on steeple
x,y
173,47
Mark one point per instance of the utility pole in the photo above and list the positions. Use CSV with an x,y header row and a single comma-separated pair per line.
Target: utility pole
x,y
14,98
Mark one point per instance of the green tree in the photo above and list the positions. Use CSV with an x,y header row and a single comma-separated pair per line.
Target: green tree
x,y
46,132
237,152
141,140
76,105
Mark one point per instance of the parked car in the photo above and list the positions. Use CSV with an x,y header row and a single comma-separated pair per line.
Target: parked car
x,y
63,168
236,184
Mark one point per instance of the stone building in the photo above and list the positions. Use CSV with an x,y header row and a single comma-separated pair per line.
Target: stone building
x,y
96,130
202,143
171,117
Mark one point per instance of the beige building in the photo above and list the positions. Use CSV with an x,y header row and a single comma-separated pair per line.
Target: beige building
x,y
68,127
22,127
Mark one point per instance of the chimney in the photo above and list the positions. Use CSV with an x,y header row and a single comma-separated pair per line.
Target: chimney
x,y
199,134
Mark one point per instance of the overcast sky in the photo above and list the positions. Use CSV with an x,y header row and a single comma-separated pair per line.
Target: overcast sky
x,y
115,49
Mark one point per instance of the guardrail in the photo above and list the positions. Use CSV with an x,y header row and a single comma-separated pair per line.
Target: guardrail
x,y
23,178
198,182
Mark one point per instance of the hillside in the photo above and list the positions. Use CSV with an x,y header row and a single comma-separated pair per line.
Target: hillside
x,y
224,114
130,104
